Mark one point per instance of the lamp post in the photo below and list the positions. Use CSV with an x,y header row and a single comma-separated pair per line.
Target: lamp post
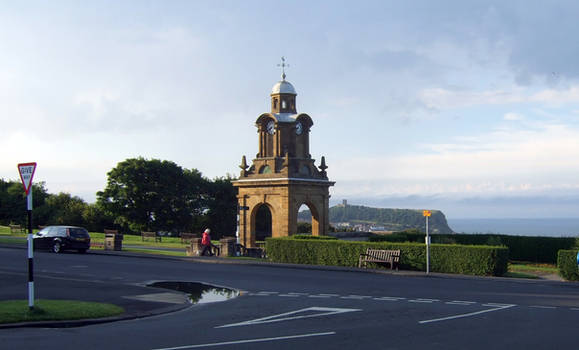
x,y
427,214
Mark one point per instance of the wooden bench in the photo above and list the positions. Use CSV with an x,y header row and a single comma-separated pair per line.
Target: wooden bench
x,y
186,237
383,256
17,229
150,235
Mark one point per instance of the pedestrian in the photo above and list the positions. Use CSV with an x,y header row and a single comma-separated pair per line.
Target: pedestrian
x,y
206,243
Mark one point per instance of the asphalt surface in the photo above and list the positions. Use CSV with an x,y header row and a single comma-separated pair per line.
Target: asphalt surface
x,y
288,306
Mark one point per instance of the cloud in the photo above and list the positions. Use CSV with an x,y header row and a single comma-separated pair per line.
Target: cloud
x,y
505,161
513,116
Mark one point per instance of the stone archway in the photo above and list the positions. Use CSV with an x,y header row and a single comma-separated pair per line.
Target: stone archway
x,y
315,216
262,223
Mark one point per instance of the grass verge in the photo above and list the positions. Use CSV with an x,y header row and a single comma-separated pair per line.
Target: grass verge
x,y
524,269
15,311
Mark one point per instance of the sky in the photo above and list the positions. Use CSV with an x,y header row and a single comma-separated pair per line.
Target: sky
x,y
469,107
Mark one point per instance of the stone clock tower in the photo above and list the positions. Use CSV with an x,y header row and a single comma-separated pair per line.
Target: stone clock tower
x,y
283,176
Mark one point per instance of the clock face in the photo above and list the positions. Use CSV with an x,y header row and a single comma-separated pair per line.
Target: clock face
x,y
299,128
271,127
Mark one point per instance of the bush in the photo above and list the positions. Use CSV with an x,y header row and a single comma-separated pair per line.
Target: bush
x,y
567,265
473,260
524,248
303,236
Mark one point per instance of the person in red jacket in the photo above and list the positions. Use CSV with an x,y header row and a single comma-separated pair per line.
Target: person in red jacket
x,y
206,243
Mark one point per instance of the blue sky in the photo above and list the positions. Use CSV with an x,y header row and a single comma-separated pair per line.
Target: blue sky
x,y
470,107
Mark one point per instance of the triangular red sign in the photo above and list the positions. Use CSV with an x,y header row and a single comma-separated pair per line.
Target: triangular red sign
x,y
26,171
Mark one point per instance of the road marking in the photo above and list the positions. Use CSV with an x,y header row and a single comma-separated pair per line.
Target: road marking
x,y
420,300
466,315
390,298
542,307
575,309
460,302
356,297
288,316
246,341
290,295
497,305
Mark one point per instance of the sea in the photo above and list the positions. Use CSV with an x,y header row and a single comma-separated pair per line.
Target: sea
x,y
551,227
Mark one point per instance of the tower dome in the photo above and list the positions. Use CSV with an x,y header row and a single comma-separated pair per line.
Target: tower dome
x,y
283,87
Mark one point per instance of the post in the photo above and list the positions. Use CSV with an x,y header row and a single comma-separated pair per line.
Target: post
x,y
427,248
30,253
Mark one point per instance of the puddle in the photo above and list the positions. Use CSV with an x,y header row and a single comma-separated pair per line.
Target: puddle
x,y
199,293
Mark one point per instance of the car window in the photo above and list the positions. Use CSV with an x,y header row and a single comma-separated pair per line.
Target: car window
x,y
43,231
51,231
77,232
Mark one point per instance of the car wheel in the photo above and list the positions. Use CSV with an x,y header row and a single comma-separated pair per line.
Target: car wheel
x,y
56,247
82,251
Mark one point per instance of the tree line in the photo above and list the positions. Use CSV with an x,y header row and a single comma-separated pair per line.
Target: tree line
x,y
140,195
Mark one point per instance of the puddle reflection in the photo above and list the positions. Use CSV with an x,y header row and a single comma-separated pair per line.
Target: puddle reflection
x,y
199,293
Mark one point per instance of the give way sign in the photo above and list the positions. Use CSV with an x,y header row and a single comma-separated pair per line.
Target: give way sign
x,y
26,171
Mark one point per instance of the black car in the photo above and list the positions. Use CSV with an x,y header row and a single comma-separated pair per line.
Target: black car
x,y
60,238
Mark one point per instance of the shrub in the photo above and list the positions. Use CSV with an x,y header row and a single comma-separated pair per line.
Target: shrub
x,y
524,248
474,260
567,264
305,236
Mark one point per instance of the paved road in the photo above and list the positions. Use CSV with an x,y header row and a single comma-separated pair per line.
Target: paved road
x,y
289,308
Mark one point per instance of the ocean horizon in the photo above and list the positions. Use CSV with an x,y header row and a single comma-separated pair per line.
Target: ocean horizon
x,y
550,227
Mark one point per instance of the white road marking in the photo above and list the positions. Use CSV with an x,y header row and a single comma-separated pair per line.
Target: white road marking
x,y
466,315
389,298
420,300
543,307
246,341
575,309
460,302
357,297
497,305
290,295
321,311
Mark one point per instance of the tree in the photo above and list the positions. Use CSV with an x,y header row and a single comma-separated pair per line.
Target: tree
x,y
154,195
13,208
222,207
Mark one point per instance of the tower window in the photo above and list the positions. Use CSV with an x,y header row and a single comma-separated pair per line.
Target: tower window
x,y
283,104
275,103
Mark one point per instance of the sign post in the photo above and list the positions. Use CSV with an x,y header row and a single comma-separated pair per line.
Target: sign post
x,y
427,214
26,171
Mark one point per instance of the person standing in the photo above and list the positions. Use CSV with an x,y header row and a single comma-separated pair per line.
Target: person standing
x,y
206,243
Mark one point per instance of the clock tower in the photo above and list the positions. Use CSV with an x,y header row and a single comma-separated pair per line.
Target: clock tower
x,y
283,176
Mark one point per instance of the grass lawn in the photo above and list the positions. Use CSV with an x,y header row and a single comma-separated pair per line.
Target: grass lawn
x,y
523,269
14,311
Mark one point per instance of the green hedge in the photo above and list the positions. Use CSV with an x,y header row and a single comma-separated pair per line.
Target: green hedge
x,y
567,265
472,260
523,248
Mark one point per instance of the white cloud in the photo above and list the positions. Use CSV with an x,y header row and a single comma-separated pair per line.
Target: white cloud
x,y
513,116
514,161
439,98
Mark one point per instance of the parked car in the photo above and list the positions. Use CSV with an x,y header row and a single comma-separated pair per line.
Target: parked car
x,y
60,238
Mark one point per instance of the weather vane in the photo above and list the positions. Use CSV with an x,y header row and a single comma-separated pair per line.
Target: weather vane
x,y
283,65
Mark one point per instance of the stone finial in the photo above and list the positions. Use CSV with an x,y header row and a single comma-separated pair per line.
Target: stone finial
x,y
323,166
243,166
